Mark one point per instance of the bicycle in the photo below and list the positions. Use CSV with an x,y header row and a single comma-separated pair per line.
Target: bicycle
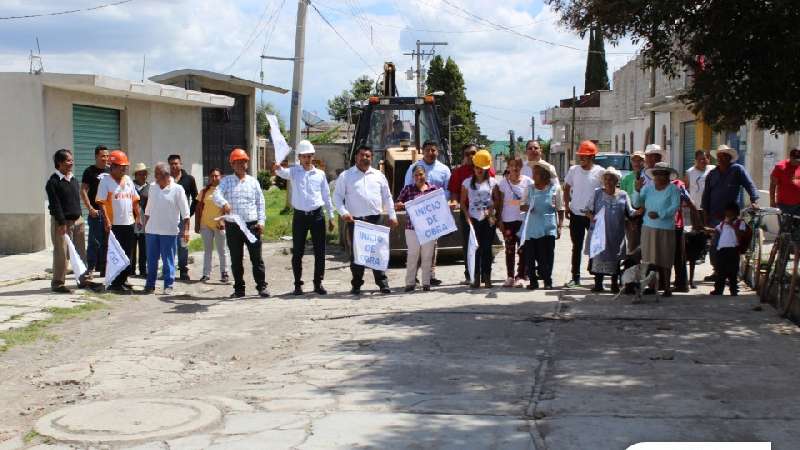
x,y
786,246
751,266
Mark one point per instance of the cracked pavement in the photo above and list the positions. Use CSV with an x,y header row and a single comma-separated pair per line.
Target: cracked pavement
x,y
452,368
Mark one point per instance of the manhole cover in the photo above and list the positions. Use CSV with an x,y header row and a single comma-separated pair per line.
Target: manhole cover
x,y
127,420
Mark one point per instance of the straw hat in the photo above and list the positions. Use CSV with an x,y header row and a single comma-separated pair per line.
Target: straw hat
x,y
611,171
637,153
653,148
725,149
662,167
139,167
541,163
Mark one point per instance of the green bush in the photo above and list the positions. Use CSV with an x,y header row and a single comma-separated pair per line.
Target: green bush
x,y
264,179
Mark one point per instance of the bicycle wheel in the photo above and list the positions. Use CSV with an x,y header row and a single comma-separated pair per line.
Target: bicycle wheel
x,y
769,271
754,266
780,275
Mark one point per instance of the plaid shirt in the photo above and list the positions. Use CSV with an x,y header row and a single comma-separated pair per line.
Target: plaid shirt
x,y
244,196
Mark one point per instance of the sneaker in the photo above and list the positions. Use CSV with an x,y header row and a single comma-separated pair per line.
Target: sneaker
x,y
298,290
119,290
168,291
573,283
320,290
61,289
128,286
509,282
237,295
409,289
205,279
436,282
465,283
519,282
225,279
263,293
426,288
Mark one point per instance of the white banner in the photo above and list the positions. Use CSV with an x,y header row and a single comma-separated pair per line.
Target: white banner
x,y
598,242
431,216
78,267
371,245
281,147
116,259
237,219
472,248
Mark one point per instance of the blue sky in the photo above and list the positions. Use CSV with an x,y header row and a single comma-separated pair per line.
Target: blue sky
x,y
508,77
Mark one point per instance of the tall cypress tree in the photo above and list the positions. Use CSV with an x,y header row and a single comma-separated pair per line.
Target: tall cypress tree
x,y
596,77
447,77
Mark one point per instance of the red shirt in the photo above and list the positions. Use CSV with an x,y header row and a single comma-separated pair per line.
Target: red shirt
x,y
457,178
788,182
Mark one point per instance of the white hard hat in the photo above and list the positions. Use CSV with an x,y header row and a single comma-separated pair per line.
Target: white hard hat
x,y
652,148
305,147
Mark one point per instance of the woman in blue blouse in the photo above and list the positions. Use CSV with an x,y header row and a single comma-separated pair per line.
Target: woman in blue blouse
x,y
660,200
542,226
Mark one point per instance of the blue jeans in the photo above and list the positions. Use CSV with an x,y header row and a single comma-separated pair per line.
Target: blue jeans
x,y
160,246
96,246
182,251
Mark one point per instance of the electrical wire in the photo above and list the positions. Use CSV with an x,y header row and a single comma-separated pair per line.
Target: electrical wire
x,y
69,11
257,30
479,19
327,22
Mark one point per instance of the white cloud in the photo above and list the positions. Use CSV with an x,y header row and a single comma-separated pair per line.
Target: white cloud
x,y
500,68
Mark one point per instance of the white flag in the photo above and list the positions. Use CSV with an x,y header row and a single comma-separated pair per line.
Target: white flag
x,y
472,248
78,267
371,245
281,147
598,242
431,216
237,219
116,259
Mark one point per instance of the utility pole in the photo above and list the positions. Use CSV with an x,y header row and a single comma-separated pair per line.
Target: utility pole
x,y
652,113
533,128
572,128
419,53
512,144
297,81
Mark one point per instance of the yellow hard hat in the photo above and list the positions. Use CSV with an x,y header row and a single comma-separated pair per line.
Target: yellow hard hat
x,y
482,159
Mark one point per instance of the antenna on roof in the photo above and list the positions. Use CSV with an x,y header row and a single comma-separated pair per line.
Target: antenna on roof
x,y
144,62
36,66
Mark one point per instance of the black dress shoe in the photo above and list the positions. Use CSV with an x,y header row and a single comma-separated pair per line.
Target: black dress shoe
x,y
61,289
320,290
386,290
237,295
409,289
119,290
436,282
184,276
298,290
264,293
355,291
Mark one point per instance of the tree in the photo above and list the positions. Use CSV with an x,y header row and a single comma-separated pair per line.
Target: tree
x,y
447,77
262,126
360,89
741,55
596,77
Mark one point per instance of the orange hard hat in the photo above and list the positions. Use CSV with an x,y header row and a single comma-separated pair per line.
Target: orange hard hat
x,y
587,148
238,155
119,158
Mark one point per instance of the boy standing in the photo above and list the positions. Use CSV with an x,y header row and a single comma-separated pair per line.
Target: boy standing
x,y
730,232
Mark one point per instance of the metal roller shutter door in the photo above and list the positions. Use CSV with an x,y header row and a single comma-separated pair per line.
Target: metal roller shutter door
x,y
92,126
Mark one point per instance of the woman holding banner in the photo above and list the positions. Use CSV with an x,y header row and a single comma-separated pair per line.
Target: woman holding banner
x,y
511,191
616,207
542,226
419,187
477,197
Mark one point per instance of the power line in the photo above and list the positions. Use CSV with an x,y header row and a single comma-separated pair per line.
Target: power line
x,y
69,11
327,22
522,111
250,39
480,19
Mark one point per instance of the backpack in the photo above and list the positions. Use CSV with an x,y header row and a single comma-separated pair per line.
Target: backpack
x,y
746,237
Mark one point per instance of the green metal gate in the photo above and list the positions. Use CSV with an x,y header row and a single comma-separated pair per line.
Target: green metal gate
x,y
92,126
689,144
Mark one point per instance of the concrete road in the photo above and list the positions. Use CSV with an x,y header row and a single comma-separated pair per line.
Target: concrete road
x,y
452,368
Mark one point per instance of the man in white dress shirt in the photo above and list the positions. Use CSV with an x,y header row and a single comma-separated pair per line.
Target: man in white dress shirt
x,y
240,194
362,193
533,151
310,192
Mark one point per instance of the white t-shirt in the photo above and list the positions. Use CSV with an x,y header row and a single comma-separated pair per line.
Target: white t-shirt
x,y
582,185
480,198
527,170
120,196
165,209
513,196
697,183
727,235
